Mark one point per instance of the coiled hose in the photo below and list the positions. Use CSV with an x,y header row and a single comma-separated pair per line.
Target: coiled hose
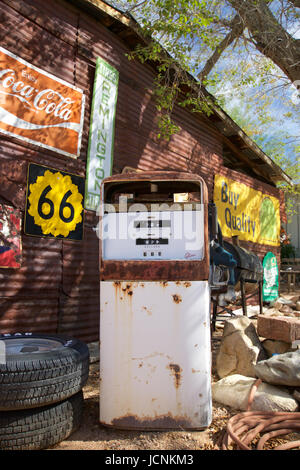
x,y
246,426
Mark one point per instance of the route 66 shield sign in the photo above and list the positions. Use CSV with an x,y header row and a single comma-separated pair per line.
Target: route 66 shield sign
x,y
54,204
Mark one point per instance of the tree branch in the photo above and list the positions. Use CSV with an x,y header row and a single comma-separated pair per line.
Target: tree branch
x,y
296,3
268,35
237,28
129,10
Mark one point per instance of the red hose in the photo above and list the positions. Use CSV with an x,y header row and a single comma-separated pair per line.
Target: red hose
x,y
244,427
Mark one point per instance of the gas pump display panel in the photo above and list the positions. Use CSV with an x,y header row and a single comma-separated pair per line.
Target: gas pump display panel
x,y
162,235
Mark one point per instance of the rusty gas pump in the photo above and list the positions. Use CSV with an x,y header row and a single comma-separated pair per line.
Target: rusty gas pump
x,y
155,353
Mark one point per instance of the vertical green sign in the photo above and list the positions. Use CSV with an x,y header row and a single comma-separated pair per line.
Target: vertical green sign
x,y
101,136
270,283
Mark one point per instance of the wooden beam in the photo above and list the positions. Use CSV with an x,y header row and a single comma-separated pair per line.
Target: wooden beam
x,y
258,171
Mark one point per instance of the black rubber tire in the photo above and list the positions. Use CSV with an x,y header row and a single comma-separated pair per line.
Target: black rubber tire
x,y
40,428
36,378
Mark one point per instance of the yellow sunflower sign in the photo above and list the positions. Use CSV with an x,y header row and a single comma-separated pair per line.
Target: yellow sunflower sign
x,y
54,204
246,212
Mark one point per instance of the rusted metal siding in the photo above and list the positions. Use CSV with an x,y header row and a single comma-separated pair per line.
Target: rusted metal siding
x,y
79,299
38,297
55,290
29,295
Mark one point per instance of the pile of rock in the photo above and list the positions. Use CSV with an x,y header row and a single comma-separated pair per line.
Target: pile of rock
x,y
267,349
285,307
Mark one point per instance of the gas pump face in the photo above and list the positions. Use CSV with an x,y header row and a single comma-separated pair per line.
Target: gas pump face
x,y
154,303
153,221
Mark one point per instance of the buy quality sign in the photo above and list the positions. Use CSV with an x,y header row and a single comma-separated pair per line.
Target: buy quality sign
x,y
54,205
246,212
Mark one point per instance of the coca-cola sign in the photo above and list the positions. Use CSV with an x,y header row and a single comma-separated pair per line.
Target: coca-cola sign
x,y
39,108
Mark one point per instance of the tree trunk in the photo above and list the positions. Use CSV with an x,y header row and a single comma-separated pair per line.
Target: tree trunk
x,y
269,37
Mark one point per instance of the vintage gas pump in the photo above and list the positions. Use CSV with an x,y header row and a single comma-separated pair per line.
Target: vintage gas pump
x,y
155,354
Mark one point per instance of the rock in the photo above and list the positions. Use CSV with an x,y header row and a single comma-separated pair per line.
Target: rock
x,y
285,309
281,328
283,300
293,305
272,312
240,348
277,305
273,346
94,351
234,391
298,306
296,395
282,369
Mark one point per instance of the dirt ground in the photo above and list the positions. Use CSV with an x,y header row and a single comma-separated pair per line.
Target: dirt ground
x,y
93,436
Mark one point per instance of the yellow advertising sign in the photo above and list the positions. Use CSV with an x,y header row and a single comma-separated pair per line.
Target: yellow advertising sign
x,y
245,212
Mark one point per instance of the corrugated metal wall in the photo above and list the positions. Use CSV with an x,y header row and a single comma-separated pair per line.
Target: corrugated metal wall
x,y
56,290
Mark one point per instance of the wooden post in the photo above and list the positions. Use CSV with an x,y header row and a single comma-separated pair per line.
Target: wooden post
x,y
243,297
260,295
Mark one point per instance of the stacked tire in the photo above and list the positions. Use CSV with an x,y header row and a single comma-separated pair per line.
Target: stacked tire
x,y
41,381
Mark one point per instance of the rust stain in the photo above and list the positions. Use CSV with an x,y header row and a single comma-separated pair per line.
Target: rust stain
x,y
126,289
150,356
147,310
184,283
177,298
164,283
176,372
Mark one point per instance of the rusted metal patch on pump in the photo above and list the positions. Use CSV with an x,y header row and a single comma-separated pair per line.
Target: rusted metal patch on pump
x,y
137,270
158,422
177,298
122,288
176,371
